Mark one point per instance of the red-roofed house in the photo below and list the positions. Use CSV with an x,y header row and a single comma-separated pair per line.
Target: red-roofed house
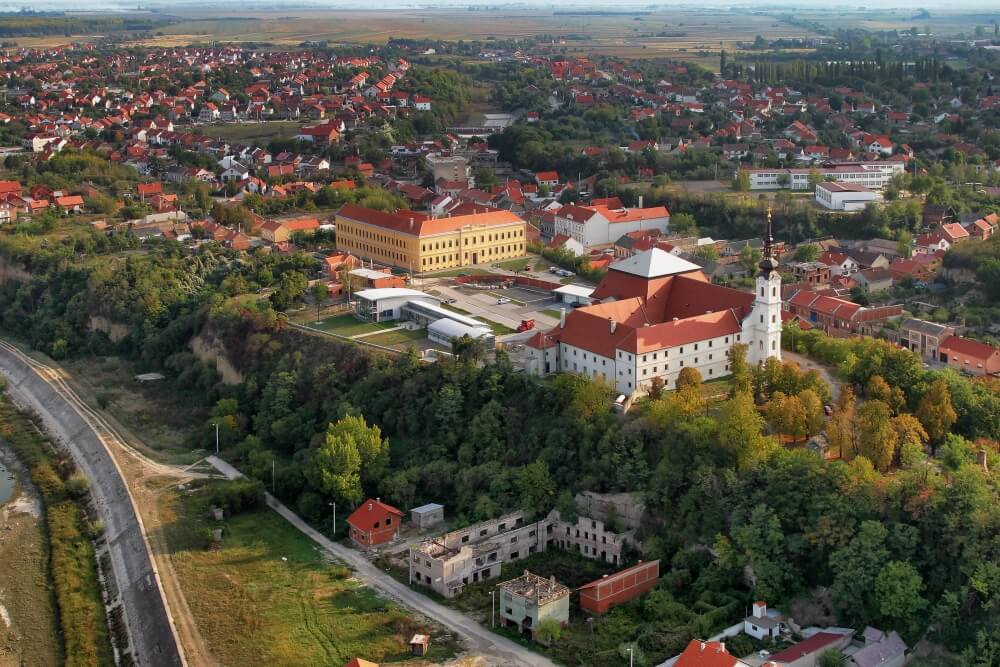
x,y
598,225
837,316
374,523
548,178
148,189
970,356
600,595
70,204
707,654
954,232
279,231
807,652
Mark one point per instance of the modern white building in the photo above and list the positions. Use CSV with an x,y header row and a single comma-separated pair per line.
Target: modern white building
x,y
655,314
848,197
600,225
400,303
872,175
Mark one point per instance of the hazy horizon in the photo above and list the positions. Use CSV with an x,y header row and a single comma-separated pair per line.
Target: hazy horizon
x,y
989,6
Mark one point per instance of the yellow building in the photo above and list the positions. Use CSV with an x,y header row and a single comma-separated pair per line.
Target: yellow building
x,y
411,241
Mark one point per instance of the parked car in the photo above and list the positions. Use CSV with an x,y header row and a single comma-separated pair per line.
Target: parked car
x,y
502,300
451,300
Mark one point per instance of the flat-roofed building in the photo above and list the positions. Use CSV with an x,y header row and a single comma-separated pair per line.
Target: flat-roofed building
x,y
847,197
923,337
612,589
528,600
413,241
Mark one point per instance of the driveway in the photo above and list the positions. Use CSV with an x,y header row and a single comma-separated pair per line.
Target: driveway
x,y
501,649
807,364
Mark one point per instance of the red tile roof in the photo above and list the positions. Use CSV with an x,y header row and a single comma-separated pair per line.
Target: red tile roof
x,y
706,654
417,224
968,348
815,643
371,511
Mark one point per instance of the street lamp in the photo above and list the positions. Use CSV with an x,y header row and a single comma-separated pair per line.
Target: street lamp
x,y
334,506
216,425
629,649
493,620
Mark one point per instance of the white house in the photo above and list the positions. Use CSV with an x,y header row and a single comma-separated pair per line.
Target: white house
x,y
600,225
760,624
236,172
844,196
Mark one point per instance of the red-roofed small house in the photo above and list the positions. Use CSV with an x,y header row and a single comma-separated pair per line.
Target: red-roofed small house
x,y
970,356
374,523
707,654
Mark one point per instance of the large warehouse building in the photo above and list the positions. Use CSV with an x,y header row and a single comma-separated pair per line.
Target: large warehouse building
x,y
414,242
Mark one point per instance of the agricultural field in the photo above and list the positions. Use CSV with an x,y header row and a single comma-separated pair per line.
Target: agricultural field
x,y
251,132
269,597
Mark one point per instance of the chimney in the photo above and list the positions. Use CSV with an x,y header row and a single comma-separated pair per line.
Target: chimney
x,y
411,224
612,324
640,201
562,318
981,459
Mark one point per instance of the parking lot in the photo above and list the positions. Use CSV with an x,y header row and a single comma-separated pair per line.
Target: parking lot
x,y
527,295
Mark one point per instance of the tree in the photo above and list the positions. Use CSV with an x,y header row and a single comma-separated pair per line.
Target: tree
x,y
898,590
741,183
689,377
549,631
352,452
741,377
537,489
840,432
875,434
936,412
909,434
831,658
749,258
813,408
740,429
683,224
815,178
806,252
786,415
855,568
319,293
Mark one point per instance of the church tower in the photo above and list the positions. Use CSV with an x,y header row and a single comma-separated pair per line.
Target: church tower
x,y
763,327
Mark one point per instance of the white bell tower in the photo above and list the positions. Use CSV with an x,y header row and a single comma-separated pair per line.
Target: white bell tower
x,y
763,327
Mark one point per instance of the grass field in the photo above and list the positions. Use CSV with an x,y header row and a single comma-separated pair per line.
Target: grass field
x,y
248,132
454,273
347,325
401,338
515,264
268,597
158,417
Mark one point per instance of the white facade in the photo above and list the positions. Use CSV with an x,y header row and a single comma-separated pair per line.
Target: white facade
x,y
838,198
872,175
595,229
762,330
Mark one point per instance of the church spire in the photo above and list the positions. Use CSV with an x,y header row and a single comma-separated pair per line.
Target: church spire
x,y
767,262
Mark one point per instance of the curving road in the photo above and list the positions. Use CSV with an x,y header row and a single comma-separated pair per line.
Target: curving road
x,y
85,435
509,653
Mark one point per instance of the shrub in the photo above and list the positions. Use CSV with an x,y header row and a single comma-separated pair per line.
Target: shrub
x,y
237,496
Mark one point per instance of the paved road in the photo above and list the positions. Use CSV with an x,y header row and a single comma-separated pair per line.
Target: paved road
x,y
479,637
136,586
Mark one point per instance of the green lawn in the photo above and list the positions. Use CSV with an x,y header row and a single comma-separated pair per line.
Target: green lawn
x,y
552,312
347,325
269,597
399,338
515,264
498,329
